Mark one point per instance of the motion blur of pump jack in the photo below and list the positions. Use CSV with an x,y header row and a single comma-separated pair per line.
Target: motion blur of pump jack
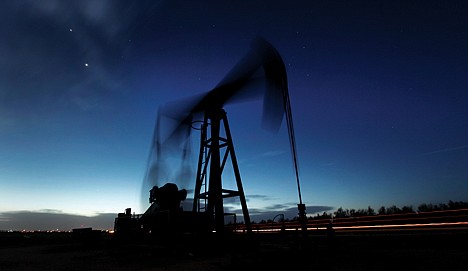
x,y
259,74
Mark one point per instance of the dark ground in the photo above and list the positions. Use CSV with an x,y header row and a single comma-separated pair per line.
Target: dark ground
x,y
273,251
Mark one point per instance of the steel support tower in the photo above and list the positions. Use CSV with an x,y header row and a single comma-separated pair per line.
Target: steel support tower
x,y
215,151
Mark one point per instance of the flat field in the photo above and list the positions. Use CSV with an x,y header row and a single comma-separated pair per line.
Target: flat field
x,y
260,251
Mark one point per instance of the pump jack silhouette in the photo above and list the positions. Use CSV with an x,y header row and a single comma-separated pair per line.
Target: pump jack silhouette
x,y
261,65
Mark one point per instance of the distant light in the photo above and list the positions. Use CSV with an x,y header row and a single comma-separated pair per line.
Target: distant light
x,y
71,30
86,64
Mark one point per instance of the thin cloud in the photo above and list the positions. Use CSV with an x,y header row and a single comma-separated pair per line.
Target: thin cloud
x,y
82,52
260,197
445,150
287,210
54,219
267,154
272,153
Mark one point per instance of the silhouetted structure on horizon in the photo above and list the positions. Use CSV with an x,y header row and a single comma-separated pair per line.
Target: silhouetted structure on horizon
x,y
261,64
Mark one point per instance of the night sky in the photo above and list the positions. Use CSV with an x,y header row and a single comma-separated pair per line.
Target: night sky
x,y
378,94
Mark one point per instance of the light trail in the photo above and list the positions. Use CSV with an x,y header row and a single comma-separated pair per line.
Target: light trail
x,y
463,225
402,225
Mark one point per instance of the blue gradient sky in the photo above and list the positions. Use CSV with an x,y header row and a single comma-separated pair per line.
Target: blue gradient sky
x,y
378,92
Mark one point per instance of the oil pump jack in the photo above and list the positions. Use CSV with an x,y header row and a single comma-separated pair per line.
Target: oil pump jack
x,y
262,64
